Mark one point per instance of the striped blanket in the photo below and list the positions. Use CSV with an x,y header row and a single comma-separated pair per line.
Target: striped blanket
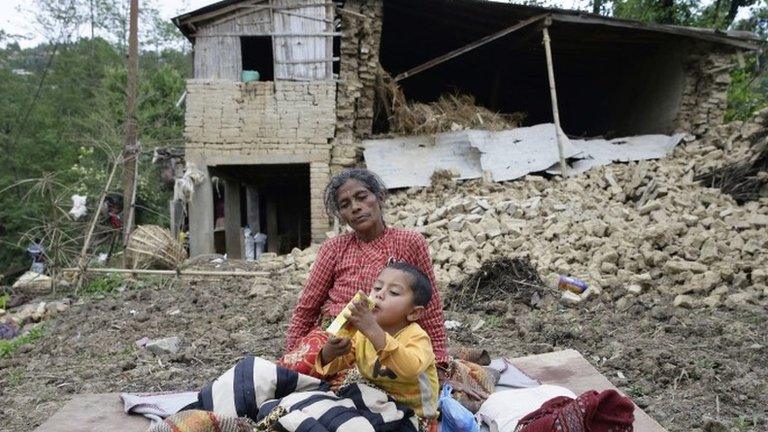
x,y
286,400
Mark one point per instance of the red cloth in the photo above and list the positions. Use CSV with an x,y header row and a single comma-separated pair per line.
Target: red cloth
x,y
302,358
345,264
607,411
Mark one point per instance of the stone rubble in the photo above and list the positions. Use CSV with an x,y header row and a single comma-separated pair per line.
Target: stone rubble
x,y
626,229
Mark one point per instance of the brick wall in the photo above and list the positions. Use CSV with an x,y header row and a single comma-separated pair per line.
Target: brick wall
x,y
284,117
705,95
264,123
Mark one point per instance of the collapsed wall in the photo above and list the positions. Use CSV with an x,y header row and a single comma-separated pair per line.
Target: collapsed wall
x,y
361,26
705,95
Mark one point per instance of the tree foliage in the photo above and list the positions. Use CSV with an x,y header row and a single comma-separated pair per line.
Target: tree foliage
x,y
62,106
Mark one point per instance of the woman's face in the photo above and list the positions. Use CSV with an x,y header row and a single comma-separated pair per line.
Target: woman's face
x,y
358,206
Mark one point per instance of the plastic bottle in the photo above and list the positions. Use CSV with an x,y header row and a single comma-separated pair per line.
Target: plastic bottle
x,y
572,284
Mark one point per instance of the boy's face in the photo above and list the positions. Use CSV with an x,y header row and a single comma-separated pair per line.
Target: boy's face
x,y
394,299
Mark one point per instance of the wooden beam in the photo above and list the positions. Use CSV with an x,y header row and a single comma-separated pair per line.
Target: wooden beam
x,y
553,96
302,16
469,47
172,272
327,60
232,223
350,13
267,34
218,12
659,28
245,11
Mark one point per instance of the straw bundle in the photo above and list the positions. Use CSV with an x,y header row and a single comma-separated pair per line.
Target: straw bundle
x,y
154,246
451,112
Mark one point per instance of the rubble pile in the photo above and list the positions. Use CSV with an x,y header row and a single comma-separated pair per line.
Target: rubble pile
x,y
746,180
626,229
22,318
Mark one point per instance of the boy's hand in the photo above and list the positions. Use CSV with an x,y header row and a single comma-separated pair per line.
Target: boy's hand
x,y
335,347
362,317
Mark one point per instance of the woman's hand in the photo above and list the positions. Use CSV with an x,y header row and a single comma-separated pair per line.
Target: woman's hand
x,y
362,318
333,348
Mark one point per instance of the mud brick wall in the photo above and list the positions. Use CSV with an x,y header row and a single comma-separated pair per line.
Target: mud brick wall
x,y
263,123
286,117
357,72
705,95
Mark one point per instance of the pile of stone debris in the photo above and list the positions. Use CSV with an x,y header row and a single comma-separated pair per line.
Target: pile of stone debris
x,y
625,229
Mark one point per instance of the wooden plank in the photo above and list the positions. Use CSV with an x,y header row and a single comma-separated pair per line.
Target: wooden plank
x,y
218,12
318,34
236,15
299,39
308,17
327,60
469,47
180,273
218,58
329,27
94,413
232,222
570,370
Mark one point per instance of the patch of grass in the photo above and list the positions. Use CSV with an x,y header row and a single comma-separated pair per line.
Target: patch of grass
x,y
494,321
104,285
7,347
15,377
745,424
4,300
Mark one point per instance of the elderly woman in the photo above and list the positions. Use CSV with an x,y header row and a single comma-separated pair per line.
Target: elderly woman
x,y
351,262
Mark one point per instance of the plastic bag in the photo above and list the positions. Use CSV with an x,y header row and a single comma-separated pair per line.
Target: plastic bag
x,y
455,418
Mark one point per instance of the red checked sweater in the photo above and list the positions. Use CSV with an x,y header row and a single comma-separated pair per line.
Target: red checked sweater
x,y
346,264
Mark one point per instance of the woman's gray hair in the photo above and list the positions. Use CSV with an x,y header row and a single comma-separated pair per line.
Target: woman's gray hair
x,y
371,181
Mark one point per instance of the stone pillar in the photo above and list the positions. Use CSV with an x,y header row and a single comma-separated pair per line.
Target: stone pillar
x,y
201,217
318,179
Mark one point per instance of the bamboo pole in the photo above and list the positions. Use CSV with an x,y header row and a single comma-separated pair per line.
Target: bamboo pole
x,y
553,95
467,48
130,146
83,262
172,272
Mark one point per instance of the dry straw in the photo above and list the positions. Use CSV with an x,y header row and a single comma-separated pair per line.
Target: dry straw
x,y
154,246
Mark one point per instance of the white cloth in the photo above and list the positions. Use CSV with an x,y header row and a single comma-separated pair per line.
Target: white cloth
x,y
154,406
502,410
78,206
259,241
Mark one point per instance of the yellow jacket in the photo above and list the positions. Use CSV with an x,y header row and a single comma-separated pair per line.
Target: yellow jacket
x,y
405,368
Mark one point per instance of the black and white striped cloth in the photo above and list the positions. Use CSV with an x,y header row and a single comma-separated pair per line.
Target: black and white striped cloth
x,y
255,387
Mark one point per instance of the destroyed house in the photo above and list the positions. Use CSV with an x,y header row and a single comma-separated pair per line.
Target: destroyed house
x,y
268,142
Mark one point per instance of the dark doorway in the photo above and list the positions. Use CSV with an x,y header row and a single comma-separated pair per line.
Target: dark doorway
x,y
257,56
273,199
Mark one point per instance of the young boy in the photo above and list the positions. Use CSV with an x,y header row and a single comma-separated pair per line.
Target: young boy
x,y
390,349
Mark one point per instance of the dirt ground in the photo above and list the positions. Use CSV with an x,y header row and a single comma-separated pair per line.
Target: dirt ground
x,y
692,370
